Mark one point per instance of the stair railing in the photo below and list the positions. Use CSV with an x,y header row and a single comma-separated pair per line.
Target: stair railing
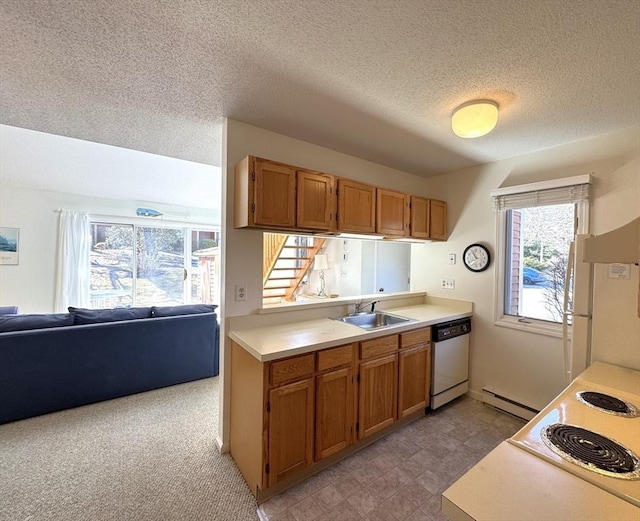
x,y
272,244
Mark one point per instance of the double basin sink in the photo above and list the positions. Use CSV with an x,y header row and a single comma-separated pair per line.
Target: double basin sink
x,y
375,320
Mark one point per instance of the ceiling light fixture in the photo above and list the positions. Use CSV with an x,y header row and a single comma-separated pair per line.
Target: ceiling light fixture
x,y
474,118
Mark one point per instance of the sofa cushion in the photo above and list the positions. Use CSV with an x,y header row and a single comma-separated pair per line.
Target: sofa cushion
x,y
97,316
190,309
25,322
8,310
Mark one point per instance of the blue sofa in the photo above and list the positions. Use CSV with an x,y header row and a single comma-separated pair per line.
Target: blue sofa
x,y
62,366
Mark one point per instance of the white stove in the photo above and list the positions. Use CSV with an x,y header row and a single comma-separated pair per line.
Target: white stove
x,y
571,429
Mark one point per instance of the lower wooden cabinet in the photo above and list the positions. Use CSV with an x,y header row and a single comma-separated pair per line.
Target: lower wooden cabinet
x,y
414,371
414,379
377,395
334,412
291,411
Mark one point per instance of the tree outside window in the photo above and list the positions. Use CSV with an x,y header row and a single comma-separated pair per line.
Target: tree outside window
x,y
537,252
153,269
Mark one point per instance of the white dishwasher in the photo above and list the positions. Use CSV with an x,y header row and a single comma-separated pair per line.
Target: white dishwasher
x,y
450,361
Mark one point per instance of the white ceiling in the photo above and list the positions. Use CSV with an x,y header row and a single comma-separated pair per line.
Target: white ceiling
x,y
372,78
53,163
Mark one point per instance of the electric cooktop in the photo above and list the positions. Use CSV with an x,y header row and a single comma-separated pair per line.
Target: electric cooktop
x,y
592,430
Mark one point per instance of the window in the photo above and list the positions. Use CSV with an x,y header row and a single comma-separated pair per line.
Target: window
x,y
536,226
134,265
536,254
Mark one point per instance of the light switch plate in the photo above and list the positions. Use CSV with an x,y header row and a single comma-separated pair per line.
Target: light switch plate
x,y
452,258
448,284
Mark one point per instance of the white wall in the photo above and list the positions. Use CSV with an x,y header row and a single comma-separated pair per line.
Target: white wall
x,y
342,277
518,364
366,261
40,173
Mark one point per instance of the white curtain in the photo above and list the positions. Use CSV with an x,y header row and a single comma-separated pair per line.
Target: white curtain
x,y
72,278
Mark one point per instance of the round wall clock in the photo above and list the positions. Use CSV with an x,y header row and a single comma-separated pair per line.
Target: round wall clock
x,y
476,257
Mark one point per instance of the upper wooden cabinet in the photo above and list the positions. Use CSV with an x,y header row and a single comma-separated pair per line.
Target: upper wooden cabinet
x,y
428,218
437,220
274,195
277,196
392,213
316,201
265,194
419,217
356,207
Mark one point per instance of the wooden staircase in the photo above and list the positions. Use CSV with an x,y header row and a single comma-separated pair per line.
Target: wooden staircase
x,y
286,260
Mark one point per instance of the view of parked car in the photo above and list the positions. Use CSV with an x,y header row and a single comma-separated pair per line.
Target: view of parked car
x,y
533,276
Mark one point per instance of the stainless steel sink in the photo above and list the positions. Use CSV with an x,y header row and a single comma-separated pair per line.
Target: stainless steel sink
x,y
376,320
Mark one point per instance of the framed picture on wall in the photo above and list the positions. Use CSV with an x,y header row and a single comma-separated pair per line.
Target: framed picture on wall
x,y
9,245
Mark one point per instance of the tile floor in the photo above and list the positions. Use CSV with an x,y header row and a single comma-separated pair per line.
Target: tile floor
x,y
401,476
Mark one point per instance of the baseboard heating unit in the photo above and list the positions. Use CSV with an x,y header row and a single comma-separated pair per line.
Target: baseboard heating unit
x,y
507,405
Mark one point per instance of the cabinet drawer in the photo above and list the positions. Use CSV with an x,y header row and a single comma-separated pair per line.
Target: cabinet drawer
x,y
292,369
378,347
415,337
336,357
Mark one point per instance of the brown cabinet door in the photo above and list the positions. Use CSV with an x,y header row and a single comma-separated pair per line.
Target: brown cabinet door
x,y
334,412
274,194
290,429
414,379
377,395
437,220
419,217
392,213
316,204
356,207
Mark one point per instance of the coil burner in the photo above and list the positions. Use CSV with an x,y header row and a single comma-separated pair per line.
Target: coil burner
x,y
608,404
592,451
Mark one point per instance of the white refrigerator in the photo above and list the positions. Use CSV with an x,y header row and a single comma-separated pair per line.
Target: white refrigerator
x,y
604,310
577,316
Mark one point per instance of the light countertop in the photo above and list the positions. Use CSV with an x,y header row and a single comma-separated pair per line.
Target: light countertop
x,y
268,343
509,484
517,481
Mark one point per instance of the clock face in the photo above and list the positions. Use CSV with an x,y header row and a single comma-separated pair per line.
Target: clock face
x,y
476,257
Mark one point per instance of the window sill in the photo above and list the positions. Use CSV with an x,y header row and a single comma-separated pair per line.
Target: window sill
x,y
538,327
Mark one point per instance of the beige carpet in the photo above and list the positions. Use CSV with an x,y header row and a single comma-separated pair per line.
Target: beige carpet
x,y
151,456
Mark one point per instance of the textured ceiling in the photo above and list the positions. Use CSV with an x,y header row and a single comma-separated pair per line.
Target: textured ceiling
x,y
372,78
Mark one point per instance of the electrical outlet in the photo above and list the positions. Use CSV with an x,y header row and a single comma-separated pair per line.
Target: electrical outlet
x,y
452,258
241,292
448,284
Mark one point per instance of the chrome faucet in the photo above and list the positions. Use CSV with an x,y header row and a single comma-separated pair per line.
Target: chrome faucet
x,y
360,305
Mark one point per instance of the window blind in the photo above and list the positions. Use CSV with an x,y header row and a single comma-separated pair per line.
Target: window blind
x,y
527,198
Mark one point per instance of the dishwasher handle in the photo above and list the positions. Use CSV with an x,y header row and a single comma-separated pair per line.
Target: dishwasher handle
x,y
447,330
